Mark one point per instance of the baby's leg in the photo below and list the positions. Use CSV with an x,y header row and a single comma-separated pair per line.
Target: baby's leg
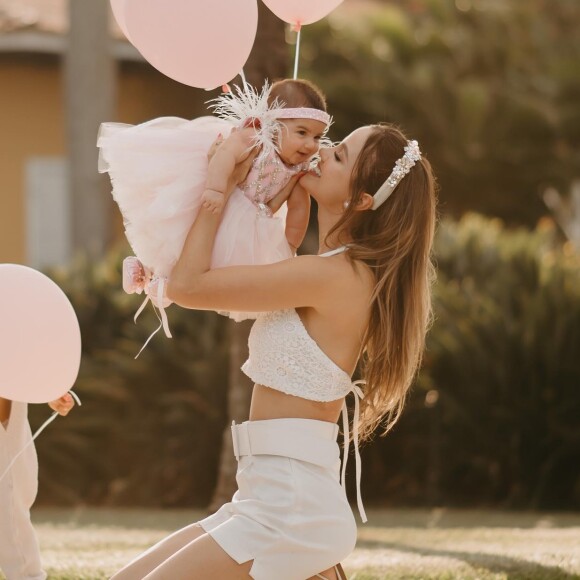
x,y
157,554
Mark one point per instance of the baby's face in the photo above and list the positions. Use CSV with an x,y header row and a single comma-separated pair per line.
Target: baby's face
x,y
300,139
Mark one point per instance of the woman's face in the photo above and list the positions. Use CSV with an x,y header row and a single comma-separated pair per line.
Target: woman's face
x,y
330,185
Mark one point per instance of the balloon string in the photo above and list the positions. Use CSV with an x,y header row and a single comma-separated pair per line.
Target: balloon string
x,y
38,432
244,81
298,29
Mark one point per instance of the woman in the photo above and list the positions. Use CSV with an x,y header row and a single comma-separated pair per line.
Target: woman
x,y
366,295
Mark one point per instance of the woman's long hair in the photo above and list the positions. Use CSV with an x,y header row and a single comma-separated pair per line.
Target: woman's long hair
x,y
395,241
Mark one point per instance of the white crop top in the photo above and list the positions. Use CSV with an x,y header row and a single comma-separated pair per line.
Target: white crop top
x,y
284,357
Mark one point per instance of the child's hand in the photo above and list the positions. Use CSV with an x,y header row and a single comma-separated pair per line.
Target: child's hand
x,y
213,201
63,405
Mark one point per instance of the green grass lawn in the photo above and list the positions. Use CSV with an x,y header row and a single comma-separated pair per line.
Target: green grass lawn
x,y
402,544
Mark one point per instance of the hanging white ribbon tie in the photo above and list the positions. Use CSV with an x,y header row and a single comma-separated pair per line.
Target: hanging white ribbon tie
x,y
157,284
358,394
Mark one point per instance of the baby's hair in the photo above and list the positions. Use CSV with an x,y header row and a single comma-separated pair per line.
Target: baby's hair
x,y
297,93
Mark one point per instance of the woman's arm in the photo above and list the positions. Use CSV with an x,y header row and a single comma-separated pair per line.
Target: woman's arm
x,y
303,281
292,283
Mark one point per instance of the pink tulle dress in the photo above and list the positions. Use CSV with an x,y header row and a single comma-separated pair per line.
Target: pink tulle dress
x,y
158,172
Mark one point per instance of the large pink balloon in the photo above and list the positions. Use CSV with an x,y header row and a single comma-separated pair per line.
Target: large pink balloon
x,y
301,11
40,339
201,43
118,7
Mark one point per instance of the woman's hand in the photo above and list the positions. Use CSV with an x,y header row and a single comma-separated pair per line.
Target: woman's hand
x,y
63,405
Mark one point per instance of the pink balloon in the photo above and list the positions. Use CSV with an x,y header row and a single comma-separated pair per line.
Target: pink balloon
x,y
40,338
118,7
201,43
301,11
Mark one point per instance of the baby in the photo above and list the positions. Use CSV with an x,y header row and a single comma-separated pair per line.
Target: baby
x,y
303,121
159,173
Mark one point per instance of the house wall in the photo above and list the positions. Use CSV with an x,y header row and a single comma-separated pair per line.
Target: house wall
x,y
33,124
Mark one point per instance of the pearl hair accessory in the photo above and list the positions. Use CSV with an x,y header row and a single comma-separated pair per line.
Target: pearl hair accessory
x,y
402,167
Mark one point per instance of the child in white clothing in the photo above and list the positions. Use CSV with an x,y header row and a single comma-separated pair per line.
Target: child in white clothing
x,y
19,550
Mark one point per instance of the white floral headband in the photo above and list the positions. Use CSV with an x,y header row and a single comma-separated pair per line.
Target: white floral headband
x,y
402,167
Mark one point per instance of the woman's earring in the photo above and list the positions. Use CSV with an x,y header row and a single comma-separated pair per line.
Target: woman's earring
x,y
345,204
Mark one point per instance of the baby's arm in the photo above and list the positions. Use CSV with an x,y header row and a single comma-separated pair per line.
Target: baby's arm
x,y
235,149
297,218
278,200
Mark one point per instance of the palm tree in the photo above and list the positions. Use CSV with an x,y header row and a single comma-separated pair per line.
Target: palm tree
x,y
90,96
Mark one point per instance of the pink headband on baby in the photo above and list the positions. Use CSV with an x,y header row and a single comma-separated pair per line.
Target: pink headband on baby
x,y
302,113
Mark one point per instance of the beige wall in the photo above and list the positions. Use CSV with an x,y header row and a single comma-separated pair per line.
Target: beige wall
x,y
32,123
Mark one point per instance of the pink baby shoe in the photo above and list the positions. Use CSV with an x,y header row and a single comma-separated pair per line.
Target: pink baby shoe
x,y
135,275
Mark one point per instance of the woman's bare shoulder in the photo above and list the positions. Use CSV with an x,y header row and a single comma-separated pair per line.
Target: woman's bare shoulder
x,y
354,281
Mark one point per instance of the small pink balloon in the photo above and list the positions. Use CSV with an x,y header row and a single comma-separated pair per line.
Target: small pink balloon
x,y
118,7
301,11
40,338
201,43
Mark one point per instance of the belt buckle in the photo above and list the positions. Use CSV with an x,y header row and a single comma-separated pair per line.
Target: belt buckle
x,y
235,441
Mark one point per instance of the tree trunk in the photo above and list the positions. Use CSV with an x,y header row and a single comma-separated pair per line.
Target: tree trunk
x,y
90,96
268,60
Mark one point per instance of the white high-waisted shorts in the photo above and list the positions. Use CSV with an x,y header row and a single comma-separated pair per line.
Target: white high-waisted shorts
x,y
290,514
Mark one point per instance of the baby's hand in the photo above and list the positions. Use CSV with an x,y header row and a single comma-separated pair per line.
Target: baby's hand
x,y
213,201
63,405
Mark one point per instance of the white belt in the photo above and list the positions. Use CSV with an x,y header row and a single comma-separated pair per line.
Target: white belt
x,y
313,441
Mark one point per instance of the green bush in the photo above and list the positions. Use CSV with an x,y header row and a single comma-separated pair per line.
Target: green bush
x,y
489,89
149,430
503,364
492,418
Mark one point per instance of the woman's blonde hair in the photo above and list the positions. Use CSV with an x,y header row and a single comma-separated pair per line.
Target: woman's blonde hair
x,y
396,242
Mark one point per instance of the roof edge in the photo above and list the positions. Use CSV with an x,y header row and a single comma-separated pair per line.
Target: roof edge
x,y
36,42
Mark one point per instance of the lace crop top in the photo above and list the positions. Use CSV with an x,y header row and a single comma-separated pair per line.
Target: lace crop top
x,y
284,357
